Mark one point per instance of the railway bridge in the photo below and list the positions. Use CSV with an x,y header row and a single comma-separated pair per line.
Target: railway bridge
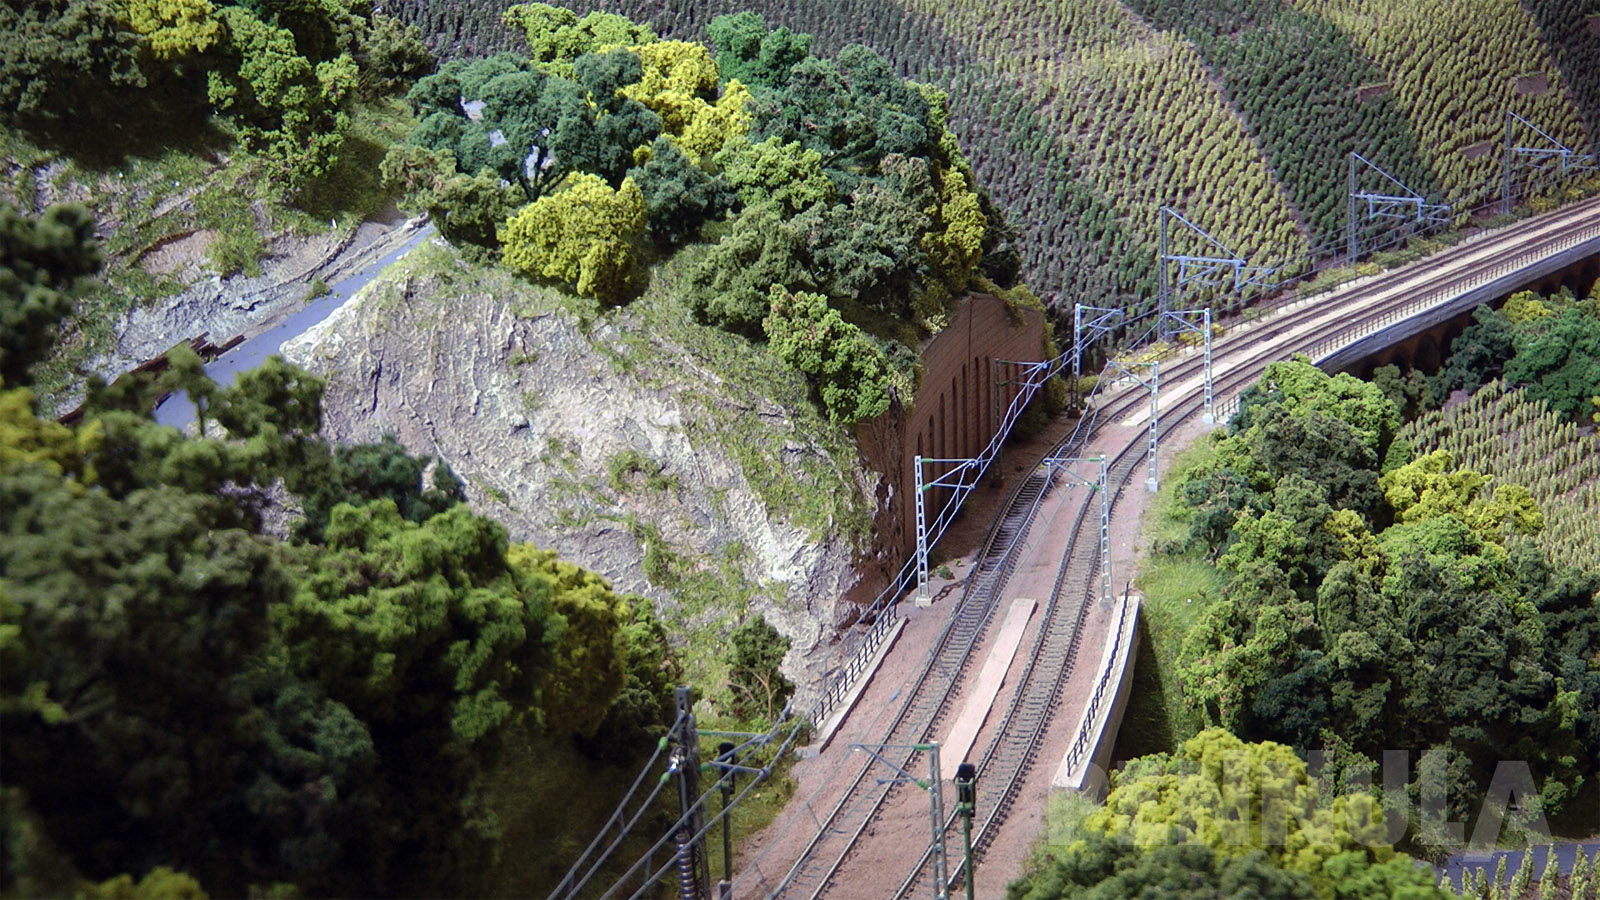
x,y
1031,692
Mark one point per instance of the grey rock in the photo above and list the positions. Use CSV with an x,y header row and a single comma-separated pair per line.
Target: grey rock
x,y
430,362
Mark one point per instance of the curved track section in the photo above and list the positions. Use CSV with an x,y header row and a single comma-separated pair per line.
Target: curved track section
x,y
1010,756
1325,322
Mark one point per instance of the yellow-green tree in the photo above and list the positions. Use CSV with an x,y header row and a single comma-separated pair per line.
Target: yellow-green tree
x,y
585,236
1432,486
679,84
174,28
1238,798
787,174
285,108
848,370
556,36
955,242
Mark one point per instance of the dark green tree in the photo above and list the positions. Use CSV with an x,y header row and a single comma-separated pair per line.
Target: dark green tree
x,y
731,285
1476,354
755,651
1558,358
66,59
747,52
42,262
364,472
679,196
852,110
528,127
168,734
392,56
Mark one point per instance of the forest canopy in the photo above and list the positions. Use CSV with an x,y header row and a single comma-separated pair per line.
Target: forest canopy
x,y
195,698
281,76
1369,593
605,149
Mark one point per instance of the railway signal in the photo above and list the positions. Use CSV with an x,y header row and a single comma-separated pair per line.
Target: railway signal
x,y
966,805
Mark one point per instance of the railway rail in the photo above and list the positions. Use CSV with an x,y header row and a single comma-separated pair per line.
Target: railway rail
x,y
1318,327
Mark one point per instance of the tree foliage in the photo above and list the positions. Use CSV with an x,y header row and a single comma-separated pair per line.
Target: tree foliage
x,y
280,74
174,28
73,51
848,370
749,53
679,196
1369,606
679,83
1551,456
557,37
758,688
585,236
1550,345
180,689
1225,818
42,261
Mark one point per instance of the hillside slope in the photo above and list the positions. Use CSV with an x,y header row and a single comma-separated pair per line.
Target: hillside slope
x,y
1083,118
675,459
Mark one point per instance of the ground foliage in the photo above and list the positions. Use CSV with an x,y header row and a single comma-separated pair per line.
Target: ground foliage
x,y
1378,599
191,702
604,148
282,76
1224,818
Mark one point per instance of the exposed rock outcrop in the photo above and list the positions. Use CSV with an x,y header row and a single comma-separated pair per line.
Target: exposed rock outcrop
x,y
224,307
677,461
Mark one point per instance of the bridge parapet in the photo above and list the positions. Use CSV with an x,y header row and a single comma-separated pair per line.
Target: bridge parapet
x,y
1083,768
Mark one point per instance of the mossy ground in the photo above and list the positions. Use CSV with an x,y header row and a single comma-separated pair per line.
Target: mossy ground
x,y
1176,588
142,202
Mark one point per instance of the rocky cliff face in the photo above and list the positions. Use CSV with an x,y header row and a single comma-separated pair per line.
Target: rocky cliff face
x,y
679,462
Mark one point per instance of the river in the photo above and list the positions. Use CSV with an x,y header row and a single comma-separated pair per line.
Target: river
x,y
178,411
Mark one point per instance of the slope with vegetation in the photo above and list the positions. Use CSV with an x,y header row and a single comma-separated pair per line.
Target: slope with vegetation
x,y
201,697
1568,27
1082,119
1309,93
850,213
683,462
1364,585
1454,69
209,138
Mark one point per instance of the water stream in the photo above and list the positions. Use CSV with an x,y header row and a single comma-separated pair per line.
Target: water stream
x,y
178,411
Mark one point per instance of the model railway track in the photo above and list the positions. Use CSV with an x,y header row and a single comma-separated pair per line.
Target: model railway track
x,y
926,701
1238,361
1011,754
